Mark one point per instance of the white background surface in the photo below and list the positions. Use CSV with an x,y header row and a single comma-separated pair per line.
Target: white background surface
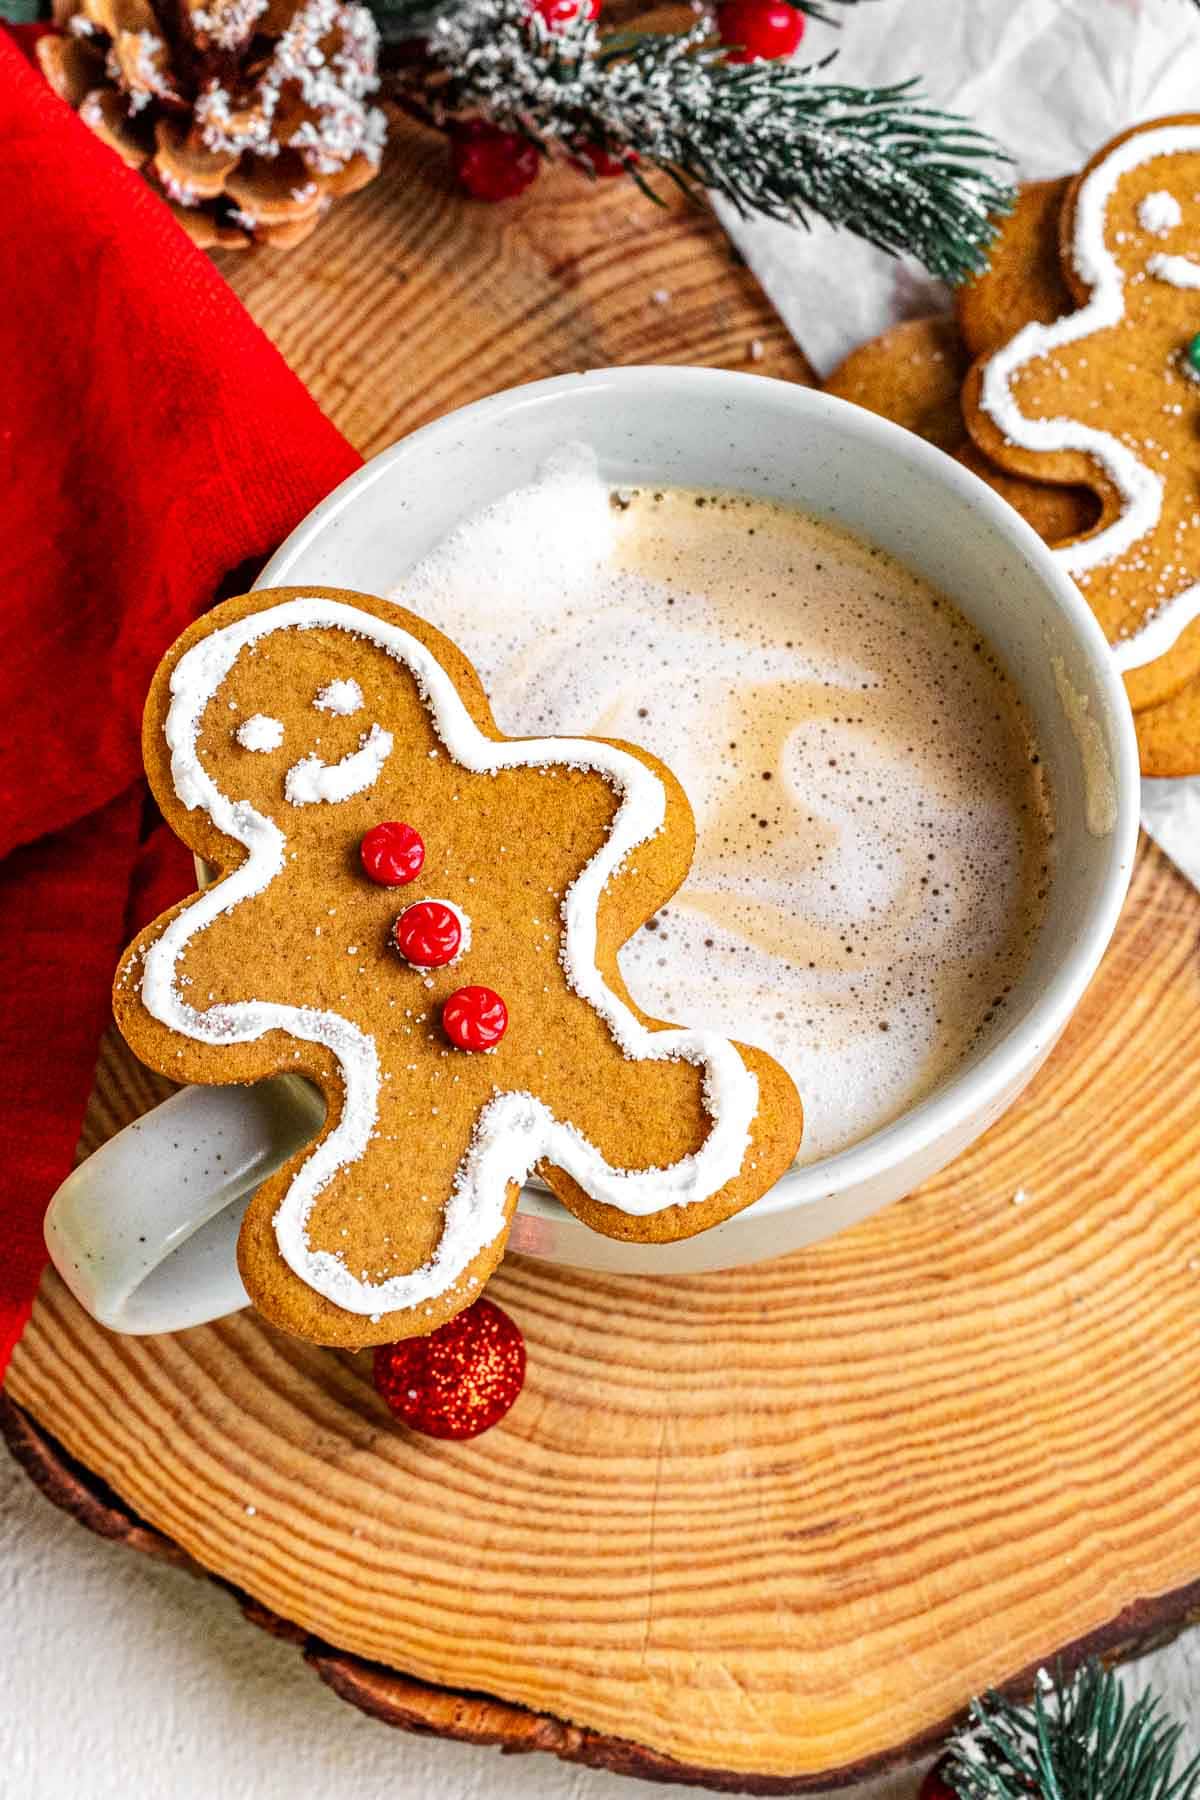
x,y
124,1680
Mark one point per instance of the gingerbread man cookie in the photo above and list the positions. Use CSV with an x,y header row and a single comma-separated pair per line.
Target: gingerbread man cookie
x,y
1169,735
1109,395
1024,281
423,917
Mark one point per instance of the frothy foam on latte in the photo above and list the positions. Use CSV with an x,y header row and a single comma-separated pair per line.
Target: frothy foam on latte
x,y
873,833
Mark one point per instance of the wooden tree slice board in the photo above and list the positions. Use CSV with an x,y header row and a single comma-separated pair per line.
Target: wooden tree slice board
x,y
410,301
767,1528
776,1523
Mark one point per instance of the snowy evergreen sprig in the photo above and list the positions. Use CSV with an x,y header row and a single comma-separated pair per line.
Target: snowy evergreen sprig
x,y
771,138
402,17
1079,1739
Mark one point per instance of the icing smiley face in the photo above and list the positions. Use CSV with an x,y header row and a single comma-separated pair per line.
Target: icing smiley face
x,y
544,854
1106,395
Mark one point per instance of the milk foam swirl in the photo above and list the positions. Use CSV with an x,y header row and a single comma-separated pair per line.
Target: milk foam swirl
x,y
873,839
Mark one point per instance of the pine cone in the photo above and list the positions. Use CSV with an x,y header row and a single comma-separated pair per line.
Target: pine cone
x,y
249,116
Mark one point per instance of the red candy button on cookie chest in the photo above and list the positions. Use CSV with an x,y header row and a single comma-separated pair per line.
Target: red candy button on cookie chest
x,y
428,934
392,853
475,1018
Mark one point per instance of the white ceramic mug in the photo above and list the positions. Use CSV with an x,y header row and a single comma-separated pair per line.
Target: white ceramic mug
x,y
144,1231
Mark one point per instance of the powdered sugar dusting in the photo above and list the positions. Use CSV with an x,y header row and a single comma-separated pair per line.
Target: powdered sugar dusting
x,y
326,90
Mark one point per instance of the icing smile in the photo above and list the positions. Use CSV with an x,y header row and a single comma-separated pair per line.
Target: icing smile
x,y
311,780
1178,271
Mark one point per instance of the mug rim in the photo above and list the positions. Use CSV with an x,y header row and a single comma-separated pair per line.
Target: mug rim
x,y
969,1090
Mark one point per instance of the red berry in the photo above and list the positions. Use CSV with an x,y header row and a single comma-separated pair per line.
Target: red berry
x,y
492,164
763,29
475,1018
934,1785
428,934
392,853
602,162
561,12
458,1381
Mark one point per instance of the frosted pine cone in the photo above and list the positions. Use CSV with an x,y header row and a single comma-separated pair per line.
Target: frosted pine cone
x,y
250,116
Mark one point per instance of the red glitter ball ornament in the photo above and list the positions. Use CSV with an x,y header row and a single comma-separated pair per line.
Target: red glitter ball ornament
x,y
475,1018
763,29
461,1379
428,934
492,164
392,853
934,1785
561,12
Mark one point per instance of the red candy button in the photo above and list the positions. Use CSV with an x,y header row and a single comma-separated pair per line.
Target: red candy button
x,y
392,853
475,1018
428,934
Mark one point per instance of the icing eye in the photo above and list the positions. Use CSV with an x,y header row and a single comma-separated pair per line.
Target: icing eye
x,y
340,697
259,732
1159,213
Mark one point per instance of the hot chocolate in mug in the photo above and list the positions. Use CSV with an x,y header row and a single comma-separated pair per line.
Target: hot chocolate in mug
x,y
144,1232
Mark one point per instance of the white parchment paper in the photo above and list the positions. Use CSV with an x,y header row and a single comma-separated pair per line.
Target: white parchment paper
x,y
1050,80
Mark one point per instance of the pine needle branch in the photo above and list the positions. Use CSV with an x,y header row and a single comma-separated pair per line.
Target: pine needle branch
x,y
1078,1740
771,138
397,18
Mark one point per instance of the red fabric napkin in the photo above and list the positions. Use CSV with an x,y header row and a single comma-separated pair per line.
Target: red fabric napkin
x,y
151,442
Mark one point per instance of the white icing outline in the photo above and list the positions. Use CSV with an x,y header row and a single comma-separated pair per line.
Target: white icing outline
x,y
310,780
260,733
514,1131
1140,488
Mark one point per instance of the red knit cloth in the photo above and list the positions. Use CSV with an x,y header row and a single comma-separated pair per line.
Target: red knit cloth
x,y
151,442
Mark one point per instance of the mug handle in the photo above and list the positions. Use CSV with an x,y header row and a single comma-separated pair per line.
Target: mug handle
x,y
144,1231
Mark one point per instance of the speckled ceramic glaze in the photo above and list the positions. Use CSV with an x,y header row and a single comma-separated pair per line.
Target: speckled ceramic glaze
x,y
147,1250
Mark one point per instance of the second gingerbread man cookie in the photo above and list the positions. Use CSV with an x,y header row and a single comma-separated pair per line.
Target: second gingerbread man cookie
x,y
1109,395
423,917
